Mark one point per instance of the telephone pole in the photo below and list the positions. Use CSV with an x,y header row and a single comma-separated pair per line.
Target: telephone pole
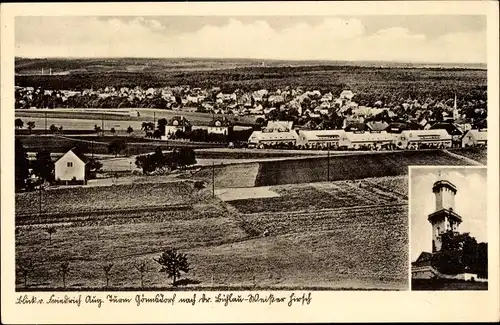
x,y
45,122
328,163
213,178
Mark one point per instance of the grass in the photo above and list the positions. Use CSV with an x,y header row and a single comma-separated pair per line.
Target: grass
x,y
80,199
237,175
478,154
349,167
81,118
347,248
300,197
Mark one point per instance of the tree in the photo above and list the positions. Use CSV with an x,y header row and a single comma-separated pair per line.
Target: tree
x,y
184,157
173,263
43,166
459,253
19,123
53,128
60,129
22,165
142,268
113,131
51,231
25,268
97,128
130,130
107,272
92,167
116,147
64,270
30,126
147,126
162,124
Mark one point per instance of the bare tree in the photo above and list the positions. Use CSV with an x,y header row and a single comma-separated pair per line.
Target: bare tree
x,y
25,268
64,270
50,231
142,268
107,272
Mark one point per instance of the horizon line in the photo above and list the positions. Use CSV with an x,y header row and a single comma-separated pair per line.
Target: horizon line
x,y
250,59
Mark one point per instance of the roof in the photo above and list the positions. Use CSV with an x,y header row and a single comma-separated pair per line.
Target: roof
x,y
312,135
423,259
278,125
77,153
355,126
277,136
451,128
377,126
179,121
443,183
223,121
417,134
369,136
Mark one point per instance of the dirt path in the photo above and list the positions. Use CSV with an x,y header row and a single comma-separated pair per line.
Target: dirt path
x,y
463,158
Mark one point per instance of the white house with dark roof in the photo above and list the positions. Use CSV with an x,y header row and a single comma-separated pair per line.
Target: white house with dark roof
x,y
220,125
70,168
176,123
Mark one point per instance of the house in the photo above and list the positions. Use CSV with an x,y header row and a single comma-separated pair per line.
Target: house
x,y
70,168
346,94
475,138
177,123
220,125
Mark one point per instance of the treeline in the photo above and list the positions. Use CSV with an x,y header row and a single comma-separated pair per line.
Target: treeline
x,y
403,83
160,163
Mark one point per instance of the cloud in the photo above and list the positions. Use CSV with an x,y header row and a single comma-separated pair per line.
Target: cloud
x,y
332,38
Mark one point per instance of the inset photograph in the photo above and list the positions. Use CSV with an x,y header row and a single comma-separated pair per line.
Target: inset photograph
x,y
448,235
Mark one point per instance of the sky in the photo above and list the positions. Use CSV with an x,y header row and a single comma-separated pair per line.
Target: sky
x,y
423,39
470,203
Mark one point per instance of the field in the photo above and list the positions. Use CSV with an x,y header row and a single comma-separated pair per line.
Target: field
x,y
433,285
477,154
326,247
316,196
84,119
82,199
350,166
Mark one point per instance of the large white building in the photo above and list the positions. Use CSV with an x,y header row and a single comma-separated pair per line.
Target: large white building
x,y
275,133
414,139
321,138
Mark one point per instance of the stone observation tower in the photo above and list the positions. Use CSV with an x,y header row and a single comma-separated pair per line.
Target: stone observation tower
x,y
444,218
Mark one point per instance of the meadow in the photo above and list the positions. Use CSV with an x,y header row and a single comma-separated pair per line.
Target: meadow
x,y
338,249
345,167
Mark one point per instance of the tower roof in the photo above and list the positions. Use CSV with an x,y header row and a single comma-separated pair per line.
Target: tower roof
x,y
443,183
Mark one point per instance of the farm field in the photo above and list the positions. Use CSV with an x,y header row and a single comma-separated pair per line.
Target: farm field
x,y
79,199
82,117
317,196
346,248
350,167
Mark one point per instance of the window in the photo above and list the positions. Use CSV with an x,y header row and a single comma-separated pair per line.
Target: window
x,y
69,164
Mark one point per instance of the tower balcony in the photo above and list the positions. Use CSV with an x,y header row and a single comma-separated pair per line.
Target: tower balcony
x,y
444,213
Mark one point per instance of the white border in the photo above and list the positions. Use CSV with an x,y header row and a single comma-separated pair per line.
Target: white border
x,y
326,306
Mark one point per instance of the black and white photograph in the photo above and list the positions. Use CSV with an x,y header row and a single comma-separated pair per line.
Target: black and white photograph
x,y
235,152
449,246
